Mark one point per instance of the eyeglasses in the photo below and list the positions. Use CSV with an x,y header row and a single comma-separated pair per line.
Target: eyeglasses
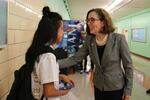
x,y
92,19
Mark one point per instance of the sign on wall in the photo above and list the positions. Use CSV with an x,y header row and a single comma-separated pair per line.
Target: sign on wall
x,y
3,22
72,35
139,35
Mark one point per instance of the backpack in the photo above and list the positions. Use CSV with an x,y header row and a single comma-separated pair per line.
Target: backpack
x,y
21,87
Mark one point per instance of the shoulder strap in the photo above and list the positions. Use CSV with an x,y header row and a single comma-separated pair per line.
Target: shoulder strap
x,y
34,57
45,49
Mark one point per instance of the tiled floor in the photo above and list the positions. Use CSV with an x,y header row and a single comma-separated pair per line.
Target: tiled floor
x,y
83,90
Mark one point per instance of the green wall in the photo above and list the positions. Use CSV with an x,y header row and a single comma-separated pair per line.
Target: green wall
x,y
59,6
137,20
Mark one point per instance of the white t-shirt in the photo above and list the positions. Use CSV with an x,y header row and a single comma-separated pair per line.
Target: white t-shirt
x,y
46,71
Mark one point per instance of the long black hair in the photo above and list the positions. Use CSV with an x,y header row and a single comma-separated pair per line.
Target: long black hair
x,y
46,33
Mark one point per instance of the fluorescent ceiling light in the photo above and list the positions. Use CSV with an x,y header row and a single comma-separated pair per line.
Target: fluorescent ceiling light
x,y
28,9
116,4
112,5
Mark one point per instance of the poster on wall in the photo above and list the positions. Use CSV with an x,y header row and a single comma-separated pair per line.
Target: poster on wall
x,y
139,34
72,36
3,22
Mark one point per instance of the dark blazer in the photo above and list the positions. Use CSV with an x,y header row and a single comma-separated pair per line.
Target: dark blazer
x,y
115,71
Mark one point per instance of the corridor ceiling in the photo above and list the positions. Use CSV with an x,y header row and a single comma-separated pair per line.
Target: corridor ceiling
x,y
79,8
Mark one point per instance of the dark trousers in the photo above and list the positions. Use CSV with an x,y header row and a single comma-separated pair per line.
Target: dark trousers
x,y
85,63
108,95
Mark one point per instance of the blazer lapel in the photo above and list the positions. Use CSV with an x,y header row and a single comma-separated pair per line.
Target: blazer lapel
x,y
108,48
94,50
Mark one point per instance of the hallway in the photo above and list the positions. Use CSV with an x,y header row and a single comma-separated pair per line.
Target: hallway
x,y
83,90
19,20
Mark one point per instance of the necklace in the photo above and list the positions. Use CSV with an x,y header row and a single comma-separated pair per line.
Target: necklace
x,y
102,42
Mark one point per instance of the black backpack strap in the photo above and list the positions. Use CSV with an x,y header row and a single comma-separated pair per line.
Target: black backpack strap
x,y
45,49
43,97
35,54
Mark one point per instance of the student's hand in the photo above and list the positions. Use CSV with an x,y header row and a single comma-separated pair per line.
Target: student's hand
x,y
64,92
125,97
66,79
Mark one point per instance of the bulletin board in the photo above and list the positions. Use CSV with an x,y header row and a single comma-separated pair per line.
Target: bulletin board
x,y
139,35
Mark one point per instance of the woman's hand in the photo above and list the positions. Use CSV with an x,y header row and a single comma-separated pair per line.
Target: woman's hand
x,y
125,97
91,80
66,79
